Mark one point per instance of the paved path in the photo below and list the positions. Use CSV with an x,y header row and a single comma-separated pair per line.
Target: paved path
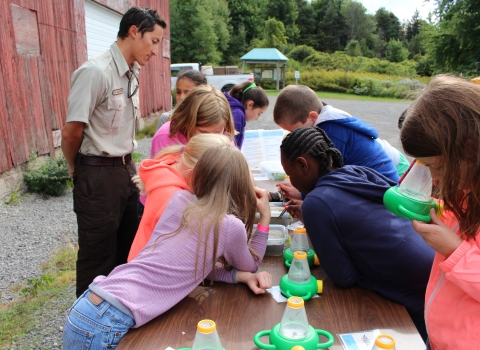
x,y
382,115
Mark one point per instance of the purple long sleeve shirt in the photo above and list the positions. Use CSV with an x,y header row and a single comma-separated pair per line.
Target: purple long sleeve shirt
x,y
164,271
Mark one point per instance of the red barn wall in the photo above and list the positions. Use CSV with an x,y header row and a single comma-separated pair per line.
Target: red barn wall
x,y
43,42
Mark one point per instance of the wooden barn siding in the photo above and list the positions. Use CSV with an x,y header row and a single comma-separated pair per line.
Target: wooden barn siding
x,y
34,88
155,76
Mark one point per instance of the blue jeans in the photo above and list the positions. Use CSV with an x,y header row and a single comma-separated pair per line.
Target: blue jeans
x,y
91,326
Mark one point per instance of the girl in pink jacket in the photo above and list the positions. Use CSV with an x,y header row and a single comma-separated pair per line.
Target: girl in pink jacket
x,y
442,130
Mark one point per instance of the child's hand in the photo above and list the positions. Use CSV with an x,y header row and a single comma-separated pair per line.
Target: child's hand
x,y
263,207
257,282
261,190
294,207
438,235
288,191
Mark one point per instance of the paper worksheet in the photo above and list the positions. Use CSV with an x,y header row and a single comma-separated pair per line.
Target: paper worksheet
x,y
260,145
359,340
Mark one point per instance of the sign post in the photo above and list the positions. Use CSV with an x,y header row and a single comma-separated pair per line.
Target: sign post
x,y
297,75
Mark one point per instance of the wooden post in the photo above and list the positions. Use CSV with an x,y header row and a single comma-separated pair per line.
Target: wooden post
x,y
278,76
243,68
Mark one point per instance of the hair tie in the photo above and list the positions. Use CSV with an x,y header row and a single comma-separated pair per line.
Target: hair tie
x,y
252,85
183,148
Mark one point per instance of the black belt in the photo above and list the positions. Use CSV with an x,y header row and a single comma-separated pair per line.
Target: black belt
x,y
96,160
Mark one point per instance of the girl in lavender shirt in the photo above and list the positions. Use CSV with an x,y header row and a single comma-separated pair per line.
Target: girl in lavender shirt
x,y
204,236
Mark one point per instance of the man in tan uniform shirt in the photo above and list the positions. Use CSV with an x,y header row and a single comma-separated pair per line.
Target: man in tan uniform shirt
x,y
98,139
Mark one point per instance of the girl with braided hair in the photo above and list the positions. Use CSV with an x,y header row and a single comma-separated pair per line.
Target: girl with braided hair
x,y
357,240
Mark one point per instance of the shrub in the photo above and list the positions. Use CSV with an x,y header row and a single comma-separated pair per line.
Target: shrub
x,y
51,178
341,61
353,48
367,84
299,53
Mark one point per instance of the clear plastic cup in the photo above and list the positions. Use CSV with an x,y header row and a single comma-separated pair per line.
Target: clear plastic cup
x,y
418,183
294,323
300,240
206,337
299,271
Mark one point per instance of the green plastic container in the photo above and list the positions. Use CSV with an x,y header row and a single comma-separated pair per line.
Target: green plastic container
x,y
279,342
406,207
302,290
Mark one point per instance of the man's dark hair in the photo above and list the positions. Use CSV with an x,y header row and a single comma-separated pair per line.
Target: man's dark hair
x,y
313,141
141,17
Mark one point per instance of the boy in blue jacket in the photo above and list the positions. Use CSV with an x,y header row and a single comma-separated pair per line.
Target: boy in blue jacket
x,y
357,240
298,105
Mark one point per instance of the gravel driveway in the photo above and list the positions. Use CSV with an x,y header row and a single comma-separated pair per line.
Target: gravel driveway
x,y
33,230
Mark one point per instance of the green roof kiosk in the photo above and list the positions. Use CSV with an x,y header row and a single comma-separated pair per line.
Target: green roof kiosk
x,y
267,57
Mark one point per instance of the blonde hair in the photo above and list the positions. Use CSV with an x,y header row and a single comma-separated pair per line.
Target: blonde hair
x,y
203,106
294,103
189,153
445,121
221,181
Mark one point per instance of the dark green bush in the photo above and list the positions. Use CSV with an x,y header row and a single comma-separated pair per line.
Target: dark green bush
x,y
51,178
299,53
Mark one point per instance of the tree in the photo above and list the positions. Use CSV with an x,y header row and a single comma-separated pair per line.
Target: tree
x,y
360,24
237,46
285,11
412,27
306,23
456,44
250,14
333,27
206,36
353,48
395,51
388,24
274,34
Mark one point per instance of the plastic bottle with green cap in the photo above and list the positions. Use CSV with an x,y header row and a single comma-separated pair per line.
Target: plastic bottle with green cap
x,y
384,341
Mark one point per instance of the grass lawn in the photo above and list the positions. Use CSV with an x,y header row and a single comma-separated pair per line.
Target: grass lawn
x,y
342,96
19,317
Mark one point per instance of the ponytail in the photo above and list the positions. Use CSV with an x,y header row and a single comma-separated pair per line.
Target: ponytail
x,y
249,91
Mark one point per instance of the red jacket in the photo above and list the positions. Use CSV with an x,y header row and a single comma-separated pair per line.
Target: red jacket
x,y
161,180
452,301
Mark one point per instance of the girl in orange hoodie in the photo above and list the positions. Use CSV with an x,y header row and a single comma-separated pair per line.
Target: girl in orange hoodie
x,y
442,130
168,173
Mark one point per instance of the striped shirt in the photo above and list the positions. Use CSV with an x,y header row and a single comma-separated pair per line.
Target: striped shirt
x,y
164,273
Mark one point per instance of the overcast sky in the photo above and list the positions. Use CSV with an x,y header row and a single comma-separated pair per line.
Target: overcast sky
x,y
403,9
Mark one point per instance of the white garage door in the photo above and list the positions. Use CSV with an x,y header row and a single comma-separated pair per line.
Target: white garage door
x,y
101,27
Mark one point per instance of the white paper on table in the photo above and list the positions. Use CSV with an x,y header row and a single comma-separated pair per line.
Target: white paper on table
x,y
359,340
278,296
260,145
272,139
252,148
